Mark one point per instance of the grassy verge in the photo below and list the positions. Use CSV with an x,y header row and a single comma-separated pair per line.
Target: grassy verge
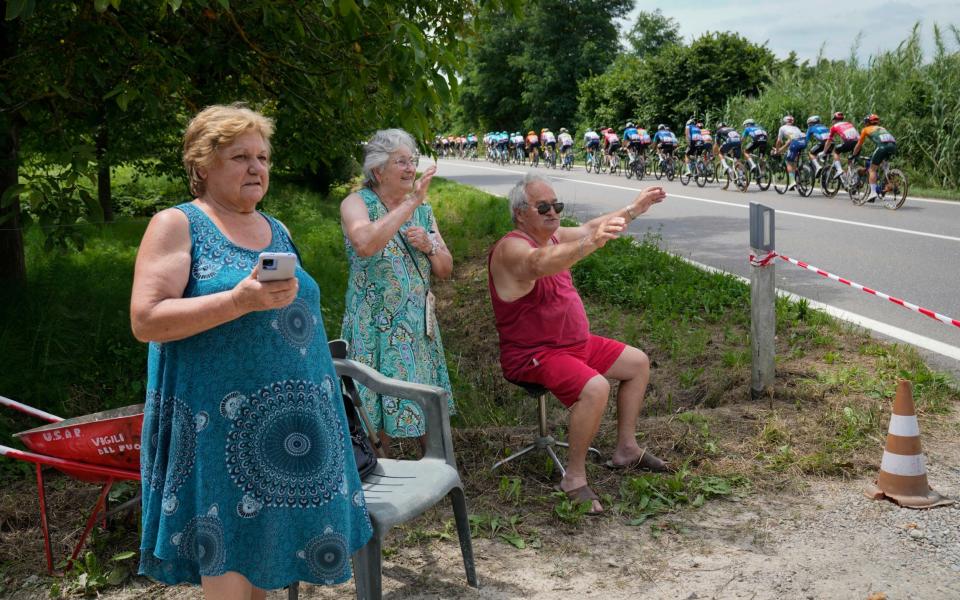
x,y
68,349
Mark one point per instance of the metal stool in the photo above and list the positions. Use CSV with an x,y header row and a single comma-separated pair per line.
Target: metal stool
x,y
544,441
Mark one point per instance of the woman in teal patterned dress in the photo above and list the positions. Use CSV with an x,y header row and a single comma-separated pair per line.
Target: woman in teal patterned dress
x,y
249,480
393,246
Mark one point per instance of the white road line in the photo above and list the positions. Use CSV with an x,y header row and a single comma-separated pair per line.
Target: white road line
x,y
938,236
891,331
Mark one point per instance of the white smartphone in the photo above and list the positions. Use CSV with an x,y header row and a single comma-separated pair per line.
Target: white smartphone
x,y
275,266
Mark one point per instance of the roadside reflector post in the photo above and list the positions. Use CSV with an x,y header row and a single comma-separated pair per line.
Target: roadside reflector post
x,y
763,314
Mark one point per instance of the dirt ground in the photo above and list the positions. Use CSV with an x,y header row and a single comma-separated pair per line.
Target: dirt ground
x,y
826,541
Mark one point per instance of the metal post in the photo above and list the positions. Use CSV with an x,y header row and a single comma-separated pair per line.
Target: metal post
x,y
763,315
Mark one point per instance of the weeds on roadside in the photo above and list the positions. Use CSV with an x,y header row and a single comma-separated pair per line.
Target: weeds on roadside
x,y
647,495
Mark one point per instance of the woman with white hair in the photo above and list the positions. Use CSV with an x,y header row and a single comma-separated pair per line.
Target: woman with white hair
x,y
393,246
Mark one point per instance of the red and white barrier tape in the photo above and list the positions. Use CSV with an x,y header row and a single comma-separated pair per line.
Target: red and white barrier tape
x,y
766,260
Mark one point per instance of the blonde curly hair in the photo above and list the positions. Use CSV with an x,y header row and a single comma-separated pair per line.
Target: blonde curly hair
x,y
217,126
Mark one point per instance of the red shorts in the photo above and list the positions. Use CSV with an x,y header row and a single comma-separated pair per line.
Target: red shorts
x,y
564,371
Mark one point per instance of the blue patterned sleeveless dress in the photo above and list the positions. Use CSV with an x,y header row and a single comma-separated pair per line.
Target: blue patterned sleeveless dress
x,y
384,323
246,459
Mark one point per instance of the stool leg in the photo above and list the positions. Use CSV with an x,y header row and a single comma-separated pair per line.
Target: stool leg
x,y
513,456
556,460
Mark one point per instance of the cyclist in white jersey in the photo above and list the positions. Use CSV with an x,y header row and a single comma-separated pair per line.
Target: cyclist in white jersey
x,y
793,140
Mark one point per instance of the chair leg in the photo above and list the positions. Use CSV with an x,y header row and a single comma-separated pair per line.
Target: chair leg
x,y
367,570
293,592
459,502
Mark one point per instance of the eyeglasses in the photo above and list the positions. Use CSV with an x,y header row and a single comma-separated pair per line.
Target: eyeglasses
x,y
405,163
544,207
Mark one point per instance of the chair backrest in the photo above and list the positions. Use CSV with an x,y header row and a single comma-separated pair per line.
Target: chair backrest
x,y
431,399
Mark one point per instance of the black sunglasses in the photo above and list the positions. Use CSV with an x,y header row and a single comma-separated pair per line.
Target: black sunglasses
x,y
544,207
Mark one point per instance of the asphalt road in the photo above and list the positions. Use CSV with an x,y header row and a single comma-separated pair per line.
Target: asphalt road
x,y
912,253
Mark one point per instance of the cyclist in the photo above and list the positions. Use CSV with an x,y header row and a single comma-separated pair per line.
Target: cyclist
x,y
728,142
843,139
611,143
644,143
706,142
757,137
665,142
566,142
515,145
791,139
591,141
631,135
817,136
694,138
886,148
549,142
533,144
471,142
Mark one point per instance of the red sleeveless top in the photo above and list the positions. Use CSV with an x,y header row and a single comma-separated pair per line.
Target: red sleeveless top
x,y
551,315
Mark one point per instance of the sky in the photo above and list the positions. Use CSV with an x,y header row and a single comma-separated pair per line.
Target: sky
x,y
806,25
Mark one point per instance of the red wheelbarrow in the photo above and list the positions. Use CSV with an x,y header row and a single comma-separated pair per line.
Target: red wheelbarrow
x,y
101,448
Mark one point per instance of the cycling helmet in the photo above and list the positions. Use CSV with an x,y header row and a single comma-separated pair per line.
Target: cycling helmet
x,y
838,116
563,130
787,120
813,120
661,127
629,125
531,132
749,123
721,125
871,119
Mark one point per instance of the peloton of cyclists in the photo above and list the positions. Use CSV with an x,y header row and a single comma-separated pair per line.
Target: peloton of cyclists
x,y
886,148
791,139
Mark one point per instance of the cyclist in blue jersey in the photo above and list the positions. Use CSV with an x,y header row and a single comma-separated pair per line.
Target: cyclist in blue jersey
x,y
817,136
694,142
631,136
754,140
665,142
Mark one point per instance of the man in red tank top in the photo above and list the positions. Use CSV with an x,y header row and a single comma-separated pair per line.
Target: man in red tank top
x,y
544,331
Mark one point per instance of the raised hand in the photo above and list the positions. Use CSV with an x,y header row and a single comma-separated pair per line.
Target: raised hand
x,y
647,198
608,230
423,184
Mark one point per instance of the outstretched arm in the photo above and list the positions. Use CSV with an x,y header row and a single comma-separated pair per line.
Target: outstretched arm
x,y
641,204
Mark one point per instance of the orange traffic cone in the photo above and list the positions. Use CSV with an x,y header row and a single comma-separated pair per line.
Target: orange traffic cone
x,y
903,470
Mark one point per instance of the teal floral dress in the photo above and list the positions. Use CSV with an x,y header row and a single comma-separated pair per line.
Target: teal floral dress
x,y
384,322
246,460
